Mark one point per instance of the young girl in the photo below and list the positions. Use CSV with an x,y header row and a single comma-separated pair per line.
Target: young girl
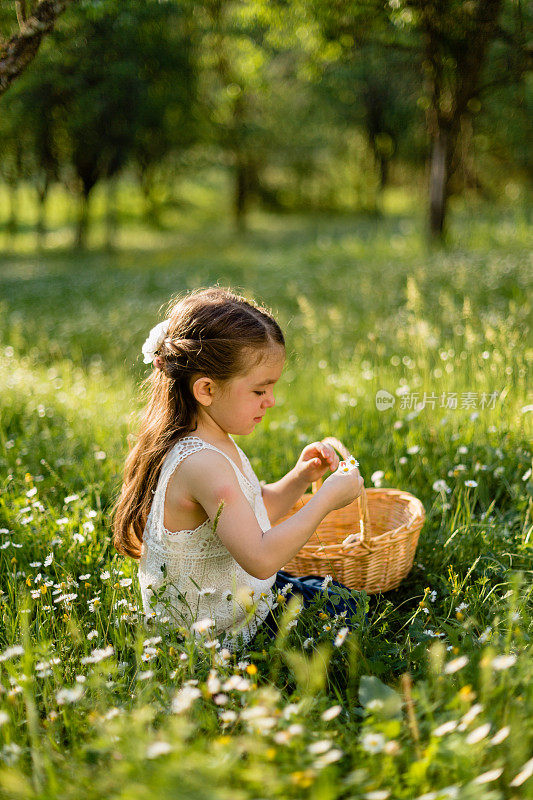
x,y
191,508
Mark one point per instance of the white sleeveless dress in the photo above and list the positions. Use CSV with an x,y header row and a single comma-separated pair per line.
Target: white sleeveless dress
x,y
199,557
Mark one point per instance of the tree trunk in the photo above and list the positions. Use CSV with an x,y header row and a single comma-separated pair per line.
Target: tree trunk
x,y
111,214
241,194
383,172
42,194
438,183
12,222
83,220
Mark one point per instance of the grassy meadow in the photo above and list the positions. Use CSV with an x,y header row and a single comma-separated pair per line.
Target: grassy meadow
x,y
431,697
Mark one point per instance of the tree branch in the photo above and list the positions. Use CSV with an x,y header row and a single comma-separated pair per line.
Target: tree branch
x,y
20,8
21,49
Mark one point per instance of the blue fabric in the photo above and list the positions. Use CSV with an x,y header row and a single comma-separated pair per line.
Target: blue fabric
x,y
309,586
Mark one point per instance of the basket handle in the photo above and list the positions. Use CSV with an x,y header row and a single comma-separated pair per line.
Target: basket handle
x,y
366,530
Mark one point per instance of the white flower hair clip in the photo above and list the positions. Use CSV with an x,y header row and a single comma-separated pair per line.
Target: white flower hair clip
x,y
155,340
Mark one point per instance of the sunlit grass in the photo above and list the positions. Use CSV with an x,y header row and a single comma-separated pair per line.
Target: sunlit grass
x,y
91,700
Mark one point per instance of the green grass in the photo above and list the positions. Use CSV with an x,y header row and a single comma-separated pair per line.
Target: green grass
x,y
364,305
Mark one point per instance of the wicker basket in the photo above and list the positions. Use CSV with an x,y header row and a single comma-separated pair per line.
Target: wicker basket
x,y
386,524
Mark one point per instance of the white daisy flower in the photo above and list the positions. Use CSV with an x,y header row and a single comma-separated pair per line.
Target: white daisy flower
x,y
203,625
158,749
184,699
373,742
331,713
456,664
340,637
446,727
525,773
503,662
478,733
500,735
322,746
488,777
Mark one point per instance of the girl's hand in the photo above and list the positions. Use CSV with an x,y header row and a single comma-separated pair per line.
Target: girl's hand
x,y
316,458
342,488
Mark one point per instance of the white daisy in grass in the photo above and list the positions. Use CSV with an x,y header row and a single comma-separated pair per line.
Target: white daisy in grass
x,y
184,698
500,735
478,733
446,727
377,478
203,625
71,498
470,716
328,758
97,655
69,695
340,637
503,662
295,729
331,713
373,742
471,484
525,773
488,777
456,665
157,749
316,748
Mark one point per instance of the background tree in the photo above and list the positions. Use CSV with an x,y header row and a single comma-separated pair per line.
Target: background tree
x,y
452,42
35,20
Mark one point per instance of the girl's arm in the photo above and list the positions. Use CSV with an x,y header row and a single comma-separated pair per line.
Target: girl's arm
x,y
314,461
260,553
280,497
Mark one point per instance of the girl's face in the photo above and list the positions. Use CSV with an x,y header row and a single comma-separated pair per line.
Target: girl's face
x,y
241,404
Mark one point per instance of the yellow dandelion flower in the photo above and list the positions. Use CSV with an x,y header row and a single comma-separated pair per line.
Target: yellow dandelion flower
x,y
303,779
44,589
271,753
466,694
28,581
28,477
459,615
251,669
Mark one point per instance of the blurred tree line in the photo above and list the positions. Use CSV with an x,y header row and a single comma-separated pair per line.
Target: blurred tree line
x,y
306,103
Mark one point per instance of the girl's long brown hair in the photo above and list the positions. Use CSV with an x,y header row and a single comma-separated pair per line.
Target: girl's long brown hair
x,y
212,332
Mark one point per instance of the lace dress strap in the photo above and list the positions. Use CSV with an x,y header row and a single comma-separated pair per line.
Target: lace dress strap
x,y
183,448
180,451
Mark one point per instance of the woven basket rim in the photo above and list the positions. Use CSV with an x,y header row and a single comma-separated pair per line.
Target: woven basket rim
x,y
416,520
